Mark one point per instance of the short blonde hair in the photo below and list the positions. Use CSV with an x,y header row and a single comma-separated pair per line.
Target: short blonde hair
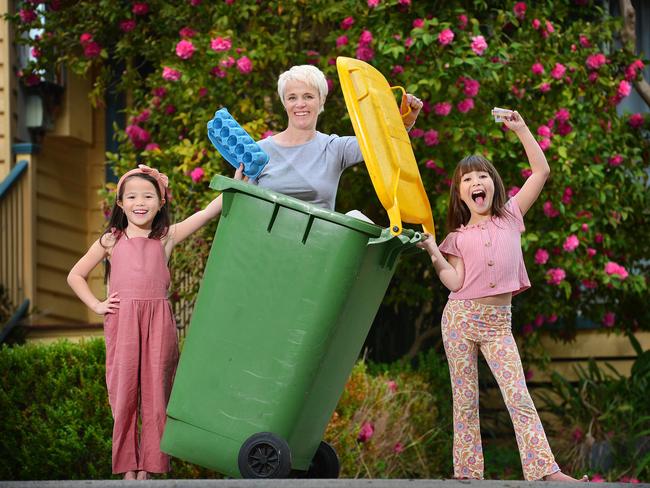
x,y
307,74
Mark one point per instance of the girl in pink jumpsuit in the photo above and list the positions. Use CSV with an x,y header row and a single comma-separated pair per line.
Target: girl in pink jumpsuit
x,y
139,327
483,267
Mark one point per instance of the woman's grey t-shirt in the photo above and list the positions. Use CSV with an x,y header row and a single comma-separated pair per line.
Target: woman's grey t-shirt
x,y
310,171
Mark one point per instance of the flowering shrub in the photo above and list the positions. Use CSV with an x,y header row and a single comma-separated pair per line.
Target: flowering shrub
x,y
388,427
181,61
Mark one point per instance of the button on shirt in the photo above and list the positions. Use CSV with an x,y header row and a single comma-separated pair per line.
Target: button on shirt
x,y
491,253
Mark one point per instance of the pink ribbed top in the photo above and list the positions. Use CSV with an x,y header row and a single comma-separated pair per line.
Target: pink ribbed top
x,y
491,253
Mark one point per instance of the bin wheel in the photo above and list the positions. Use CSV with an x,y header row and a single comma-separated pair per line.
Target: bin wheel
x,y
325,463
264,455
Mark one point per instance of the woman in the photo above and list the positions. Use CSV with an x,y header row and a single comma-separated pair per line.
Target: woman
x,y
304,163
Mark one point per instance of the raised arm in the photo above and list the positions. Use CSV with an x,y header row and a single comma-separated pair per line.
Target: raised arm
x,y
182,230
452,272
415,104
541,170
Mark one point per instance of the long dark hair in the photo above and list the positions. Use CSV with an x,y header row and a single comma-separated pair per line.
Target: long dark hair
x,y
118,222
459,213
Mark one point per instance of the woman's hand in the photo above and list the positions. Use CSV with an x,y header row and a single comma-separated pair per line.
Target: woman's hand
x,y
514,121
110,305
239,174
415,104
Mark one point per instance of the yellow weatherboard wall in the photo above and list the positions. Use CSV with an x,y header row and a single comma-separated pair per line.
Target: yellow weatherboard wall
x,y
385,144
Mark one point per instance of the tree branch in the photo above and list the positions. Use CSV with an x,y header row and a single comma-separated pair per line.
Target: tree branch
x,y
628,35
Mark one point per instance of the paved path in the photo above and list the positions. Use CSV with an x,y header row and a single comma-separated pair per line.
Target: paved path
x,y
340,483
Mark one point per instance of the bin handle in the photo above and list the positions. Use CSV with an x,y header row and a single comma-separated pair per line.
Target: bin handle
x,y
408,107
407,240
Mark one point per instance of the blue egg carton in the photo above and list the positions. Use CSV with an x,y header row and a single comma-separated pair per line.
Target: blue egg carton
x,y
235,145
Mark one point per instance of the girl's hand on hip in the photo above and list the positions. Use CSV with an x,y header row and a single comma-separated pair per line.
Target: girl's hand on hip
x,y
514,121
110,305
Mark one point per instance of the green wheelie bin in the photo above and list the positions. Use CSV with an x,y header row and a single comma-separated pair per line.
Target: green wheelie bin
x,y
288,295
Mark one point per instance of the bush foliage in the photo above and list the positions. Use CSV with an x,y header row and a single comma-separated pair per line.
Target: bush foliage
x,y
554,61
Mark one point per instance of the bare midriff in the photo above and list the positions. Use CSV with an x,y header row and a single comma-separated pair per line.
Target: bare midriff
x,y
502,299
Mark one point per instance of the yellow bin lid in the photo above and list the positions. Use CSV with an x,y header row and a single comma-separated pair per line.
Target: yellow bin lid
x,y
385,144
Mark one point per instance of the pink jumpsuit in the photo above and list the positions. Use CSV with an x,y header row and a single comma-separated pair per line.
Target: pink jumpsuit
x,y
141,354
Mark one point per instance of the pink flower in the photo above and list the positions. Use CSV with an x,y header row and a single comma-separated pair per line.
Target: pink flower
x,y
554,276
479,45
347,23
171,74
244,65
584,41
85,38
228,62
195,3
549,210
545,143
416,133
170,109
431,138
536,24
462,21
408,42
539,320
537,69
197,174
562,115
442,108
528,374
185,49
527,329
471,87
571,243
398,448
127,25
27,16
366,432
373,3
418,23
577,435
365,38
631,70
187,32
397,69
220,44
159,91
446,37
616,160
267,133
365,53
465,105
526,172
139,137
404,3
152,146
615,269
597,478
599,238
624,88
92,49
142,116
541,256
636,120
341,41
203,91
595,61
520,10
609,319
544,130
513,191
545,87
140,8
558,71
549,27
567,195
392,386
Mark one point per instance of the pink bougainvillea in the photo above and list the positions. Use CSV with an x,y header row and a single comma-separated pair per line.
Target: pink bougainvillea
x,y
185,49
446,37
479,45
220,44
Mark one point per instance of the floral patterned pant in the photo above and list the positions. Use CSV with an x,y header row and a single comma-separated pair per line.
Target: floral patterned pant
x,y
468,326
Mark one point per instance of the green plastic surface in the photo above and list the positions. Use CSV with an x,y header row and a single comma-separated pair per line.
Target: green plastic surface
x,y
288,295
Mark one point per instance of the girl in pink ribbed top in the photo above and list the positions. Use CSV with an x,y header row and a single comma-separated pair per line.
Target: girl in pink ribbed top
x,y
139,326
481,262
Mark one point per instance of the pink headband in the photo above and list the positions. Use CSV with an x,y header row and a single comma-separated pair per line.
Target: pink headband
x,y
143,169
